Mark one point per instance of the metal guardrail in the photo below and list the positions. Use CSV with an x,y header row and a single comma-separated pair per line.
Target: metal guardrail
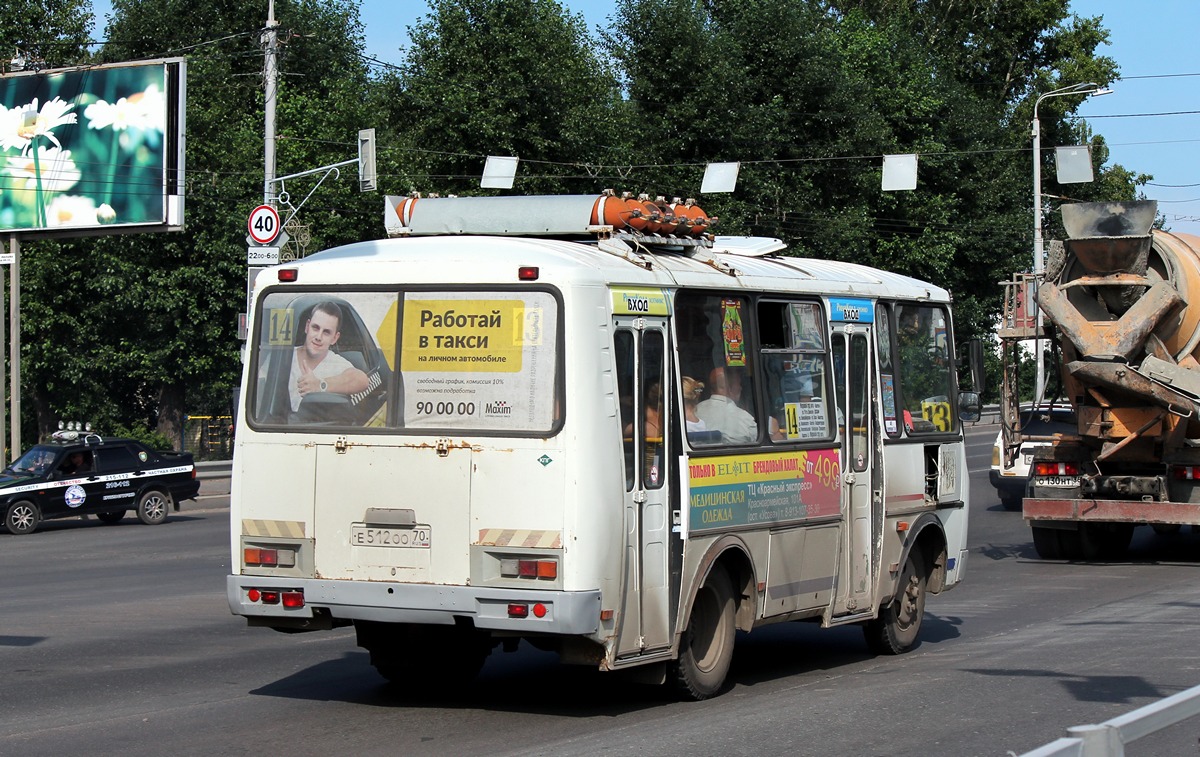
x,y
1108,739
207,469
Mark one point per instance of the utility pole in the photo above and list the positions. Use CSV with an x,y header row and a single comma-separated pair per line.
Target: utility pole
x,y
271,81
270,40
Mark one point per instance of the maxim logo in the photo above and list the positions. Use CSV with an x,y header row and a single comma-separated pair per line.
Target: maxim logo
x,y
497,408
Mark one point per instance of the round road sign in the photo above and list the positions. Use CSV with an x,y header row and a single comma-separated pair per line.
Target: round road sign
x,y
263,224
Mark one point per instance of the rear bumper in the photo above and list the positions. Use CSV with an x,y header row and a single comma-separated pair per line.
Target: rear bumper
x,y
574,613
1008,485
1111,511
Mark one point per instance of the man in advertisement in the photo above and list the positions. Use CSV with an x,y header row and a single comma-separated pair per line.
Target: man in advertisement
x,y
314,367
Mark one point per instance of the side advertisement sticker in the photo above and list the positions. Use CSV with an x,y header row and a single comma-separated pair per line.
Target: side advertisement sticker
x,y
739,490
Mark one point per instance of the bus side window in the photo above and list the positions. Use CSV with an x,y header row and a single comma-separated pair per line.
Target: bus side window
x,y
623,352
713,330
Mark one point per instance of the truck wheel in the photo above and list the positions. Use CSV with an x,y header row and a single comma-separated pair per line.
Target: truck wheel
x,y
1011,503
152,507
706,649
1104,541
22,517
896,629
1045,541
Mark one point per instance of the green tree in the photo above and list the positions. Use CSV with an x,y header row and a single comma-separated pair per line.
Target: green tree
x,y
52,32
138,329
500,77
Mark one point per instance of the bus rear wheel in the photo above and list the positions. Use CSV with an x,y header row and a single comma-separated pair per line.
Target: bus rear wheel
x,y
896,629
706,650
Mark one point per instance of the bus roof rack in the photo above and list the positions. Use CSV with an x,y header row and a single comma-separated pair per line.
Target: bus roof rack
x,y
529,216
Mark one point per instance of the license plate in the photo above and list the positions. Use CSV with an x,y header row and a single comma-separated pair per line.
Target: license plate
x,y
373,536
1059,481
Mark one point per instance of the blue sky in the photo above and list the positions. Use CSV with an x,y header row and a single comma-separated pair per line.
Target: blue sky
x,y
1149,38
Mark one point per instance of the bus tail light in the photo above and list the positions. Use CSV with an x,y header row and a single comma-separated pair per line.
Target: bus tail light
x,y
528,273
518,610
292,598
288,274
518,568
269,557
1056,469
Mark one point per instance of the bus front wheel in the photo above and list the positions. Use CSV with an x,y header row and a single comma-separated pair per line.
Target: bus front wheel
x,y
706,649
895,630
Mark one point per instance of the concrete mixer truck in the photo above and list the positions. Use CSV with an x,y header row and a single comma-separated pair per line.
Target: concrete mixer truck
x,y
1120,309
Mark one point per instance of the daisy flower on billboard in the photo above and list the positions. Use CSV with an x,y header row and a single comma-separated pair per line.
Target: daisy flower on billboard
x,y
141,110
21,125
71,210
54,167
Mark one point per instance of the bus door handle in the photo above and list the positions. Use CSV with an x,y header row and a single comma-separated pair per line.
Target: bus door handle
x,y
849,479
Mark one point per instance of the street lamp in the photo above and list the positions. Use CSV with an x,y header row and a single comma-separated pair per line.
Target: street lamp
x,y
1039,263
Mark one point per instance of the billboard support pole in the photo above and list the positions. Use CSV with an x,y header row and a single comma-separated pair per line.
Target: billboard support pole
x,y
14,347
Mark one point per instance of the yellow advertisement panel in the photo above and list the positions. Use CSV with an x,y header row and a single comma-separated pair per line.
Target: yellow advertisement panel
x,y
468,336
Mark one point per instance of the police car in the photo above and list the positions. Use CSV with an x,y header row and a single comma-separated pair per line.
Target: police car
x,y
79,473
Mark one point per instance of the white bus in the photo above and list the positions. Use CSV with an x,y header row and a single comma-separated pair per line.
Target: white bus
x,y
511,423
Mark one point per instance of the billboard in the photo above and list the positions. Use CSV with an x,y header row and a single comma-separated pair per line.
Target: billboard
x,y
96,150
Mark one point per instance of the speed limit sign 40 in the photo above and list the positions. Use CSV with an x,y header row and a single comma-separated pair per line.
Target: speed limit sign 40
x,y
263,224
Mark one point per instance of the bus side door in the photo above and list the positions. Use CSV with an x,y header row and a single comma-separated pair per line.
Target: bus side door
x,y
640,347
860,465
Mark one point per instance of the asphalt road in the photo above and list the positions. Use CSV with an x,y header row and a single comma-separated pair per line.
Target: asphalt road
x,y
117,640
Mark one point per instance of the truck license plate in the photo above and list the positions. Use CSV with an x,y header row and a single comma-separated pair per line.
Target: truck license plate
x,y
1057,481
372,536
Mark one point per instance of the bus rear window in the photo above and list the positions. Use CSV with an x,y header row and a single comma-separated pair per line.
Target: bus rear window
x,y
464,361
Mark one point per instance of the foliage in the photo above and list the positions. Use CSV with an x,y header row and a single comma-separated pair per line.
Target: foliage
x,y
501,77
806,94
152,439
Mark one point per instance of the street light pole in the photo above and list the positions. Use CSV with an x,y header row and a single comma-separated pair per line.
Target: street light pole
x,y
1039,260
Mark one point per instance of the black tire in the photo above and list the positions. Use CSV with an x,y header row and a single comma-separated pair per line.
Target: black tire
x,y
111,517
153,507
1045,541
22,518
1166,529
1012,503
896,629
706,650
1104,541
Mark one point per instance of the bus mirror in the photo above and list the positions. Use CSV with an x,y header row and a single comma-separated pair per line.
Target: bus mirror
x,y
970,406
974,359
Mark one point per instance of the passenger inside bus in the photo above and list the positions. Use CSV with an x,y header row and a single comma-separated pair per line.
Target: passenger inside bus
x,y
653,414
721,411
693,390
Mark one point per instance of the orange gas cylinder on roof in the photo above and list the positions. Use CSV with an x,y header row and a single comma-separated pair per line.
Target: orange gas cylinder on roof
x,y
683,224
610,210
405,209
653,213
635,212
698,220
668,222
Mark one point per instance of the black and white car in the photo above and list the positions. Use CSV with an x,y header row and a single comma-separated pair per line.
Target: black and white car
x,y
92,475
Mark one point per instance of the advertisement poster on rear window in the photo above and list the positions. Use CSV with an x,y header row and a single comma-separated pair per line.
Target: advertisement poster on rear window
x,y
479,360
